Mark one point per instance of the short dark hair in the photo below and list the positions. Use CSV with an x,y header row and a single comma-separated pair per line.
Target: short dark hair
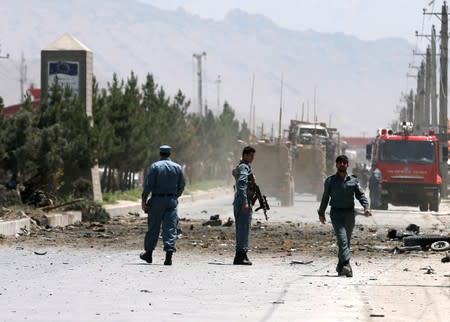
x,y
247,150
342,158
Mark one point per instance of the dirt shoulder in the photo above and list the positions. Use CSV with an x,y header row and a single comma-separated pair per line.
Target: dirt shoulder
x,y
127,233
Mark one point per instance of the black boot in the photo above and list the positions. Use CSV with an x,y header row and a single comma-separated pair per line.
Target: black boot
x,y
339,268
346,270
146,256
237,258
246,260
168,260
241,258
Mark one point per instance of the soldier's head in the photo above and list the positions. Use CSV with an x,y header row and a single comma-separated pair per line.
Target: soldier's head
x,y
248,153
164,151
342,163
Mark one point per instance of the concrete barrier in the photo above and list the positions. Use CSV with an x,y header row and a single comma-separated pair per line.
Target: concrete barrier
x,y
12,227
63,219
124,209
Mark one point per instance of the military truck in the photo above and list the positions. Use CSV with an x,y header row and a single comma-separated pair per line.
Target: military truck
x,y
296,162
309,168
273,170
315,148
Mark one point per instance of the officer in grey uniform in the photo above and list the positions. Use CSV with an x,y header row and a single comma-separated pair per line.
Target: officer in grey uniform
x,y
165,181
242,205
375,187
342,189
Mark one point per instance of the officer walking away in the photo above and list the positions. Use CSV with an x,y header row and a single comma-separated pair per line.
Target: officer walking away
x,y
375,187
342,189
242,205
165,181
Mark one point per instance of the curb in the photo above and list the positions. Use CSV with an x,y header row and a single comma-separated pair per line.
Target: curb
x,y
14,227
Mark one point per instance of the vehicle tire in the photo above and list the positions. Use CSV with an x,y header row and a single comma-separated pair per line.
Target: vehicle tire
x,y
440,246
424,240
434,202
434,206
423,207
383,206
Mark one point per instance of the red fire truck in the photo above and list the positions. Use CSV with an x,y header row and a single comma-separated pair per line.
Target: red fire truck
x,y
409,165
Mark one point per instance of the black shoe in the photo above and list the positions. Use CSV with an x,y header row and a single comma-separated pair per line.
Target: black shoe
x,y
339,267
241,259
168,260
145,256
346,271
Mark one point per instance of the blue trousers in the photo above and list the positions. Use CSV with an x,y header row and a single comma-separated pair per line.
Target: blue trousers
x,y
161,210
243,226
343,221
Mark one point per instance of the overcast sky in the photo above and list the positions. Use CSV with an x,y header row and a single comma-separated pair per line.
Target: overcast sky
x,y
366,19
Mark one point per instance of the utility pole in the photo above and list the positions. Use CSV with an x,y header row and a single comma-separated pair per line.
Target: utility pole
x,y
23,78
410,107
315,115
252,109
434,112
218,81
281,110
303,110
419,110
443,119
199,58
427,89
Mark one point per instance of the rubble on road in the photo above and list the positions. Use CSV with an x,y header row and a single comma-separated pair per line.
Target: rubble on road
x,y
214,220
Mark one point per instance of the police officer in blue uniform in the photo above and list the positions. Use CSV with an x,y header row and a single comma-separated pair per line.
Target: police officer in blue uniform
x,y
342,190
165,181
242,205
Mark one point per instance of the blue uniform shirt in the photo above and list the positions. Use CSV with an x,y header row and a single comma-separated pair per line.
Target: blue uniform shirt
x,y
342,192
164,177
242,181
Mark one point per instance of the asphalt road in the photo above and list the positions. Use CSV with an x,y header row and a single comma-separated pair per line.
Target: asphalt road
x,y
305,210
98,284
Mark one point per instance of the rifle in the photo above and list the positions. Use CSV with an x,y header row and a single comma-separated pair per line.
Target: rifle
x,y
263,204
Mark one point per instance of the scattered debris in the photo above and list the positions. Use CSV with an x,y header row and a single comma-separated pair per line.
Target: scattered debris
x,y
40,253
446,258
301,262
440,246
136,214
424,240
413,228
52,206
428,270
41,221
401,250
41,198
229,222
213,221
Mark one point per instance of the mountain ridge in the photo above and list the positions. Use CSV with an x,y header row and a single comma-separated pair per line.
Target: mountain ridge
x,y
355,80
